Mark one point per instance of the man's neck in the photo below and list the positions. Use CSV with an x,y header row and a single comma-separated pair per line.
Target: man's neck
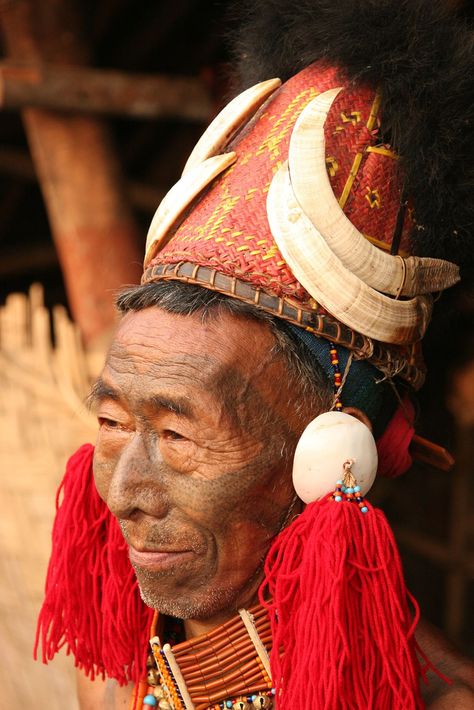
x,y
196,627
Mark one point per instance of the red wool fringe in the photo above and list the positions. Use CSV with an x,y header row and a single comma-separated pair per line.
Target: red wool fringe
x,y
92,604
393,445
339,613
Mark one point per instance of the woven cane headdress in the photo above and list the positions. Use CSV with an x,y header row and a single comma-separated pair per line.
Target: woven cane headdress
x,y
295,201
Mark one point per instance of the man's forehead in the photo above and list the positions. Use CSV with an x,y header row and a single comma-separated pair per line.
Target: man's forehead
x,y
158,351
176,382
160,361
190,340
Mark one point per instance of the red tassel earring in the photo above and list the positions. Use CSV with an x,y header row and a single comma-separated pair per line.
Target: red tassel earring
x,y
334,587
92,604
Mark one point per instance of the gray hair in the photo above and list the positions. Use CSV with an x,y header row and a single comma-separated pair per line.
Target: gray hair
x,y
313,390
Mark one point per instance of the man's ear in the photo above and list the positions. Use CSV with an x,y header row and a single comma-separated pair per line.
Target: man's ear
x,y
358,414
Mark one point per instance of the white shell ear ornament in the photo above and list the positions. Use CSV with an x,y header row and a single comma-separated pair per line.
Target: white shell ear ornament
x,y
335,449
336,452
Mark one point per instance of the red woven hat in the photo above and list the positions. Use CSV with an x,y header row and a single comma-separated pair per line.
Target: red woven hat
x,y
292,201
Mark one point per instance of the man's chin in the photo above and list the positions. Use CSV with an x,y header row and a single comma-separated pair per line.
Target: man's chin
x,y
183,603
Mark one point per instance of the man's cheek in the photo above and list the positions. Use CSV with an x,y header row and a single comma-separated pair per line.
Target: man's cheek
x,y
244,543
224,502
217,456
204,470
103,469
178,456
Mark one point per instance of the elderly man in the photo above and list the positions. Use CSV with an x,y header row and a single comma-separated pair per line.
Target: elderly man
x,y
277,293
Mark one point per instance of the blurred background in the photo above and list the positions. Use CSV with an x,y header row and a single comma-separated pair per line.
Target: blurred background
x,y
101,104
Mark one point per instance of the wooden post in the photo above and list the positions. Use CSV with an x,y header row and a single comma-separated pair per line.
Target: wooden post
x,y
93,229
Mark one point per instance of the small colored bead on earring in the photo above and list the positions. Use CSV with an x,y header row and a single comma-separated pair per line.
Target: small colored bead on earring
x,y
346,489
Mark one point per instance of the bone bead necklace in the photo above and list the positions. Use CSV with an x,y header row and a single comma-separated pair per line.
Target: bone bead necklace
x,y
225,669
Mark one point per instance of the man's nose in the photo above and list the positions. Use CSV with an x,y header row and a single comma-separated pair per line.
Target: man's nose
x,y
137,485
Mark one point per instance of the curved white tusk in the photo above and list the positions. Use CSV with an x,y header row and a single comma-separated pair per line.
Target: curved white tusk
x,y
312,188
323,275
175,202
237,112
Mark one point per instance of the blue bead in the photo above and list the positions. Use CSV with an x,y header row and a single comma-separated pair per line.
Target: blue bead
x,y
349,490
364,509
254,697
339,483
337,499
150,700
356,489
228,703
343,489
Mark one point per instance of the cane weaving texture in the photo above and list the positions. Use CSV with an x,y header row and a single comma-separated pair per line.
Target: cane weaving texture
x,y
228,233
229,229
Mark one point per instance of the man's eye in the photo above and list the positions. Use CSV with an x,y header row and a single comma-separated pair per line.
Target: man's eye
x,y
170,434
109,423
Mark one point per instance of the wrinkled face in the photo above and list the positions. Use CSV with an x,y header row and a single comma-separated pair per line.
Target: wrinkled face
x,y
193,456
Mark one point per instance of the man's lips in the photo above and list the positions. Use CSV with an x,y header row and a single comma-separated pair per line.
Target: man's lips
x,y
158,560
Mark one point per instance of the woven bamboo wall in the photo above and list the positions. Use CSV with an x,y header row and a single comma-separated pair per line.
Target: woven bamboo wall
x,y
42,420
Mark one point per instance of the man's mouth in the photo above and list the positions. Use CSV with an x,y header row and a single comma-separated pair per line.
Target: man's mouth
x,y
158,560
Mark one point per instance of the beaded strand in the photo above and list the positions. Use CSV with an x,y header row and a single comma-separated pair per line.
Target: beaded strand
x,y
346,487
337,376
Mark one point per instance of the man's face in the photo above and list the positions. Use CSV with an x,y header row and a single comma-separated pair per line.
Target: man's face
x,y
197,431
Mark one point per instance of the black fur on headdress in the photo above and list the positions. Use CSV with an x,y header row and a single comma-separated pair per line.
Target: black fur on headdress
x,y
420,54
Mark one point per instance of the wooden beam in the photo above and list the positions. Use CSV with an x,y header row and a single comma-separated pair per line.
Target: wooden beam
x,y
15,162
86,90
93,229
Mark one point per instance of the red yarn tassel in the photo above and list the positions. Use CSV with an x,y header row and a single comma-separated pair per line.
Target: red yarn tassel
x,y
92,603
343,636
394,457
